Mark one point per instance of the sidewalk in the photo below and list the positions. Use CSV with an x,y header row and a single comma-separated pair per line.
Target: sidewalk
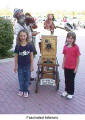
x,y
48,100
6,60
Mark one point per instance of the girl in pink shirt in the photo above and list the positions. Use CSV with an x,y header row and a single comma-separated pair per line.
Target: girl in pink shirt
x,y
70,64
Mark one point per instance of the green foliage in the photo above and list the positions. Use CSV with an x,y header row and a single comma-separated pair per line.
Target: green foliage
x,y
6,36
8,55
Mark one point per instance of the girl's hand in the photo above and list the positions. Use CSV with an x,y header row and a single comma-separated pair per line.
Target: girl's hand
x,y
75,70
31,68
63,66
15,69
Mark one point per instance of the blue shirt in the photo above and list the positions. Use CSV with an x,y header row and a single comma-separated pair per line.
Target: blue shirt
x,y
23,54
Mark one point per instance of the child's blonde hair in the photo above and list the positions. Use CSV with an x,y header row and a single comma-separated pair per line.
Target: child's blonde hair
x,y
18,36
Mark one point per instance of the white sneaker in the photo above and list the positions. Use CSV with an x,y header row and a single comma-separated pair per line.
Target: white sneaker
x,y
69,96
26,94
64,94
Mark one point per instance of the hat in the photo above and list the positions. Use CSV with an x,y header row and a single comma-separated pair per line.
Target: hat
x,y
16,10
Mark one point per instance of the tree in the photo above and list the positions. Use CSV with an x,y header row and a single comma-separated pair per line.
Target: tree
x,y
6,36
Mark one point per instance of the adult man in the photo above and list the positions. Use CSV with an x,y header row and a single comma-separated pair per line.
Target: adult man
x,y
20,24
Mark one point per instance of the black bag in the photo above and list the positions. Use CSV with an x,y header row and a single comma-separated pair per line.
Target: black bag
x,y
33,46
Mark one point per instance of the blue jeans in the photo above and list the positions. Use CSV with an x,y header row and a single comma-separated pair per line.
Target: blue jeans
x,y
24,77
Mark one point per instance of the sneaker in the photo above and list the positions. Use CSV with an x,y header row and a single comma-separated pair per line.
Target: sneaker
x,y
20,93
26,94
31,79
64,94
69,96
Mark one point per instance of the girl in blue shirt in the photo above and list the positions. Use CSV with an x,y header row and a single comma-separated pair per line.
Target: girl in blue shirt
x,y
23,62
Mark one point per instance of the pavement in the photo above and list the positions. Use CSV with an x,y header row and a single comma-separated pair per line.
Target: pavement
x,y
47,100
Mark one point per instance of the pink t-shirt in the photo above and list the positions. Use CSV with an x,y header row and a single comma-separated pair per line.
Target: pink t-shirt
x,y
71,55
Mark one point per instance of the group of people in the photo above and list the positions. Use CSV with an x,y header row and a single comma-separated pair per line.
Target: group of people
x,y
24,53
24,49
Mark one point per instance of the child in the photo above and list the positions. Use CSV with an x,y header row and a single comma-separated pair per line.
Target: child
x,y
23,62
70,64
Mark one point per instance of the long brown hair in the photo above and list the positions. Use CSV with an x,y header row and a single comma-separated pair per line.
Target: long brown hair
x,y
73,35
18,41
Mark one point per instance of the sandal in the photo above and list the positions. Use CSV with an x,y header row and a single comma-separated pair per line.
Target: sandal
x,y
20,93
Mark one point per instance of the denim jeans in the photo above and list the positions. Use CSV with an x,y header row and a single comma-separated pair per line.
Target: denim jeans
x,y
24,77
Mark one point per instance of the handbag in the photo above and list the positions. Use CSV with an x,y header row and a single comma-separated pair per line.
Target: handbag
x,y
33,47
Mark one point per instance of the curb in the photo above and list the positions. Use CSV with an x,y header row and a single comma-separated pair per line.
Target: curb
x,y
6,60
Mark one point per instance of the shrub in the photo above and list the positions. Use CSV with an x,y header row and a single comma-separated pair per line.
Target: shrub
x,y
6,36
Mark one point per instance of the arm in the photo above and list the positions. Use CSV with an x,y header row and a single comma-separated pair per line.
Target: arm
x,y
17,28
77,65
63,62
34,26
35,33
16,62
31,57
